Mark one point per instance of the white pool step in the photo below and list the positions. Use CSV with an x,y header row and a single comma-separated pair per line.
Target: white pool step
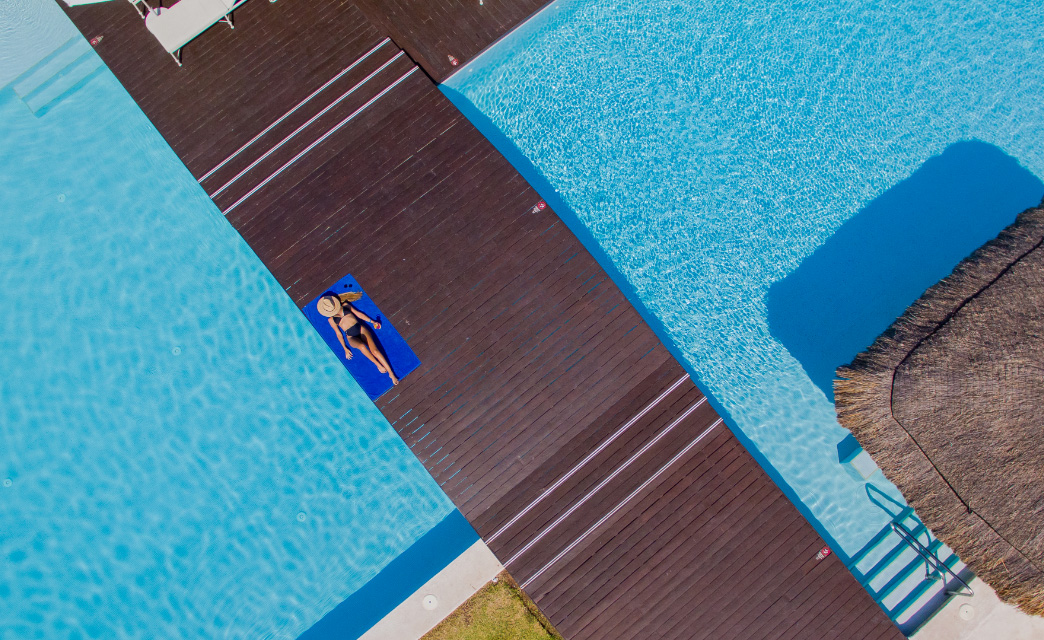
x,y
49,65
58,75
895,574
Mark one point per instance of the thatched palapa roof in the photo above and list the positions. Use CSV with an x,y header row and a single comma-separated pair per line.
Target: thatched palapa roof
x,y
950,403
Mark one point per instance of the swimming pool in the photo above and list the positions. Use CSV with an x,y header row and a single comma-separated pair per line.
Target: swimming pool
x,y
181,455
774,183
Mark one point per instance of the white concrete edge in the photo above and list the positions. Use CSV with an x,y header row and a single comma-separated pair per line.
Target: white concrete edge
x,y
451,587
980,617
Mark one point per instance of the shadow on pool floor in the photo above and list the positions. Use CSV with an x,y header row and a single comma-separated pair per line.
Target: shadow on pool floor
x,y
882,259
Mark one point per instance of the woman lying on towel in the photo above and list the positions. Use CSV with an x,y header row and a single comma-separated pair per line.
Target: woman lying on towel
x,y
347,320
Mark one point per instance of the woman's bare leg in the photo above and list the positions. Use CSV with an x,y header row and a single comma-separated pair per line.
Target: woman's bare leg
x,y
361,346
380,356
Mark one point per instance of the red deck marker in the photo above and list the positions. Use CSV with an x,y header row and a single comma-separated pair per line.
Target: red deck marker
x,y
96,39
453,61
823,553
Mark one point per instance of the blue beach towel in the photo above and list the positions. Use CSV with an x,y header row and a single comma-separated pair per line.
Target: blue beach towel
x,y
399,354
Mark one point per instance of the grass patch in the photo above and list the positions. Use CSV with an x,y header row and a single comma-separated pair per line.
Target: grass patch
x,y
499,611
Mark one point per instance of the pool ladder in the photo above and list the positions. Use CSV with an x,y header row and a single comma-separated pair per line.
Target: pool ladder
x,y
889,567
934,567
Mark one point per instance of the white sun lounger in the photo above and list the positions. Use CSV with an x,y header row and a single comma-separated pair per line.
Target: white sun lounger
x,y
76,3
176,26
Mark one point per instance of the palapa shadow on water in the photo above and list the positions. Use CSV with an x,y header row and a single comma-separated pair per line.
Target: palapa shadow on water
x,y
879,262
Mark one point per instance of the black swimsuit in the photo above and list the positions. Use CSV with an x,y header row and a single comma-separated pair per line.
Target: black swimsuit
x,y
352,331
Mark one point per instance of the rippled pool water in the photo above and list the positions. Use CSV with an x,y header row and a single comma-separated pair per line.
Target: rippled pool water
x,y
181,455
775,182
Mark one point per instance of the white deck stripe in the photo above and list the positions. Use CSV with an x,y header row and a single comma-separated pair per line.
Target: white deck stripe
x,y
637,454
311,120
320,140
296,107
587,459
623,502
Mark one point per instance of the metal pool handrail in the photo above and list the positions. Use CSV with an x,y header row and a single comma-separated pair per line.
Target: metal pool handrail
x,y
930,559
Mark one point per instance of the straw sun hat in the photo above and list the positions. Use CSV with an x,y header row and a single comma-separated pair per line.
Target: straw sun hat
x,y
328,306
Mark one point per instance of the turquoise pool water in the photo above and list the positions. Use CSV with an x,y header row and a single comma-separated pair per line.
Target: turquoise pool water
x,y
181,456
775,182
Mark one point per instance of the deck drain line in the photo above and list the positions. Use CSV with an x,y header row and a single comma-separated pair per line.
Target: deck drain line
x,y
637,454
623,502
294,109
322,139
546,492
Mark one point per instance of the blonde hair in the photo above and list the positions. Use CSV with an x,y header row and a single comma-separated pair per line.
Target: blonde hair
x,y
351,296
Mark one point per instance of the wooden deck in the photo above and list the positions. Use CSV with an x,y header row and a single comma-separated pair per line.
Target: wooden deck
x,y
544,406
433,31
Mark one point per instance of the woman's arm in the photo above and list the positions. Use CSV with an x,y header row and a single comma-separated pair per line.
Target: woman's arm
x,y
363,316
340,338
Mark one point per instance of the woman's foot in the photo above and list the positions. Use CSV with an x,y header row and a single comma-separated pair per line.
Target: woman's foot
x,y
395,380
380,368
